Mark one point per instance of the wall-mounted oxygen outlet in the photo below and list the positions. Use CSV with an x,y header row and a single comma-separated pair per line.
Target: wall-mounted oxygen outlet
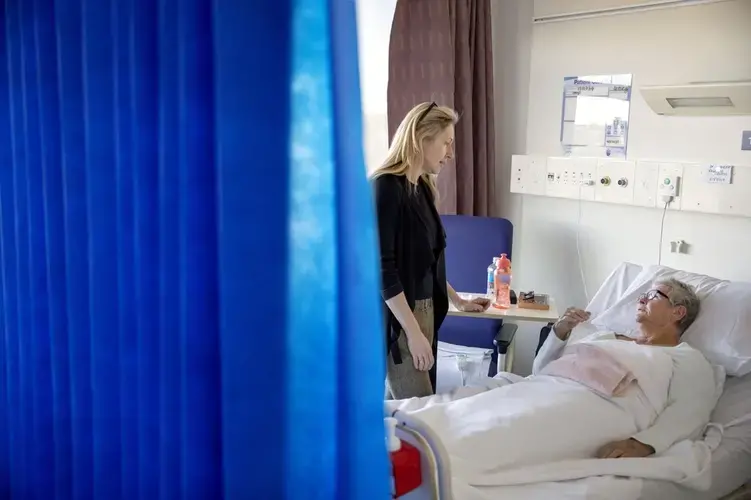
x,y
615,181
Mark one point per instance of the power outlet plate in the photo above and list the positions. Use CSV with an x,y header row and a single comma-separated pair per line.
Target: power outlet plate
x,y
535,175
586,168
645,185
528,174
561,178
669,184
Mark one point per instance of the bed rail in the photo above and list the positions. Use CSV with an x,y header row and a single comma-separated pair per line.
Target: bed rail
x,y
436,472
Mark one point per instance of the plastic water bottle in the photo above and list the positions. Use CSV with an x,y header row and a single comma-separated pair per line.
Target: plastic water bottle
x,y
491,278
502,281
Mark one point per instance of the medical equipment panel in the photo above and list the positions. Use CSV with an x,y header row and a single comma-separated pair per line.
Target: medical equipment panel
x,y
714,188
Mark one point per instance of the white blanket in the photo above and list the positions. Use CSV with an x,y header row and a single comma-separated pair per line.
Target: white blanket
x,y
687,464
514,441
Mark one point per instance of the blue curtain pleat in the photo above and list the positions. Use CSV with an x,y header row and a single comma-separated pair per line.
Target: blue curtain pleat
x,y
188,272
142,39
70,68
101,192
313,252
18,279
122,18
362,464
252,94
58,483
8,378
40,380
170,281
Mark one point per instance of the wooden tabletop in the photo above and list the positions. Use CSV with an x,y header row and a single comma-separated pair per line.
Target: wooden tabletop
x,y
513,313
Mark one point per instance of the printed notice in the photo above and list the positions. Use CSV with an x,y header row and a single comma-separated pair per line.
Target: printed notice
x,y
718,174
584,88
620,92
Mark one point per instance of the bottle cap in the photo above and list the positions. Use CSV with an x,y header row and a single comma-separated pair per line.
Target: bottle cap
x,y
393,443
504,262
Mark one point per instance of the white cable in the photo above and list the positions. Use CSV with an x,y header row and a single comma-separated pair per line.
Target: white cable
x,y
662,229
578,246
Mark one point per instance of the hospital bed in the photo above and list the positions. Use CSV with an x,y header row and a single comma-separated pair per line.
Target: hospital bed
x,y
722,332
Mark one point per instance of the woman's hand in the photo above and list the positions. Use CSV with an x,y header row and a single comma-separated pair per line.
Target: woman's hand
x,y
421,351
478,304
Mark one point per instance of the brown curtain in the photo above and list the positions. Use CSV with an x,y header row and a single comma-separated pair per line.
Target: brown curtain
x,y
441,50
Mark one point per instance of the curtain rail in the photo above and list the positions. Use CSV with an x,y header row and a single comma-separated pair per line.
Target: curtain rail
x,y
614,11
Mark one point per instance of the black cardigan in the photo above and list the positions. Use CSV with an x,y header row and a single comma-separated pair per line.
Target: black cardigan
x,y
406,254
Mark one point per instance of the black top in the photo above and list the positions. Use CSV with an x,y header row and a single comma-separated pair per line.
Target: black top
x,y
408,252
426,209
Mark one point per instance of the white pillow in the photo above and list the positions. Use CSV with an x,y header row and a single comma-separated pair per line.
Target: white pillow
x,y
722,331
614,287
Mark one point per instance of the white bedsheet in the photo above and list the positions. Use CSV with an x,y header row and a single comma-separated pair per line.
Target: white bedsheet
x,y
520,440
731,461
686,464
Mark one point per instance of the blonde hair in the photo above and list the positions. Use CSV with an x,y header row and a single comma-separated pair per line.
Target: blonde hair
x,y
405,157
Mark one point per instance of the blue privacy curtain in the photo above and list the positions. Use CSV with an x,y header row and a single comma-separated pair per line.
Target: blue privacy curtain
x,y
188,297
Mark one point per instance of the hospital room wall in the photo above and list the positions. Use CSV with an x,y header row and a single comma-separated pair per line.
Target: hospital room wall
x,y
678,45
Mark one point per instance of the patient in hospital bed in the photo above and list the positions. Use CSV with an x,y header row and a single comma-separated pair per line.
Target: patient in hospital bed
x,y
609,395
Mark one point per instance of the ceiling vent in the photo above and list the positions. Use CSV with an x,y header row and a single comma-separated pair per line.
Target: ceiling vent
x,y
700,99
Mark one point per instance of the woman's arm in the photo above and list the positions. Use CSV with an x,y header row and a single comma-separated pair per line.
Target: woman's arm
x,y
453,296
404,315
477,304
388,201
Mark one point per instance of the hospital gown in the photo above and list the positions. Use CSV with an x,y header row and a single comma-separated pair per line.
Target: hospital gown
x,y
692,394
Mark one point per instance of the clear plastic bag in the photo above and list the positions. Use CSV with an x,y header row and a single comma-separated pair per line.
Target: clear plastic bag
x,y
460,366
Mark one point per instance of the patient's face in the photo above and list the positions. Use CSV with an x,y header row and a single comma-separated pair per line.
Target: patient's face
x,y
655,307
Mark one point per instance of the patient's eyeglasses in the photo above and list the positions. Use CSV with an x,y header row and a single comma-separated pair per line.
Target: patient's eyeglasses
x,y
652,295
425,113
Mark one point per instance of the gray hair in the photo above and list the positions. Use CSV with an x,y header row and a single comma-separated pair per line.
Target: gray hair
x,y
684,295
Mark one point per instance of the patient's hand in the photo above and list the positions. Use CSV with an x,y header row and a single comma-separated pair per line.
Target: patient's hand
x,y
570,319
628,448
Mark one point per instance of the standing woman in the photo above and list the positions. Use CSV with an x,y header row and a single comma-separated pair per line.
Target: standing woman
x,y
412,241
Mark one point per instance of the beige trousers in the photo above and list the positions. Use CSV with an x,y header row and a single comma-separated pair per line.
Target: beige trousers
x,y
404,380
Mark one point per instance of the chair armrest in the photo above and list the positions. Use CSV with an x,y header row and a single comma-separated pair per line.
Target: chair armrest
x,y
544,332
505,336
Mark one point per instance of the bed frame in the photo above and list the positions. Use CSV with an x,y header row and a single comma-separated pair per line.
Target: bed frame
x,y
436,472
742,493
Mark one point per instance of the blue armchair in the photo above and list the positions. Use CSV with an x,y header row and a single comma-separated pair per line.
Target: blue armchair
x,y
472,242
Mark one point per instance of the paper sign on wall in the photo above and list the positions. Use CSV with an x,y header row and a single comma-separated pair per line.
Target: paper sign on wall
x,y
577,88
718,174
